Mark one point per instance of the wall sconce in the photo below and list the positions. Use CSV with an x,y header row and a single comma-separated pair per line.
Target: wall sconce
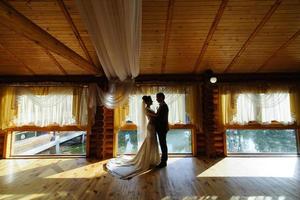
x,y
210,77
213,79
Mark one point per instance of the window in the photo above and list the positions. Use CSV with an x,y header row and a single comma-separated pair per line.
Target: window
x,y
53,108
177,113
48,143
131,135
179,141
45,119
261,141
127,142
263,108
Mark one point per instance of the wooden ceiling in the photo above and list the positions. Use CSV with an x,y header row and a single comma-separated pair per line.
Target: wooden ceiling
x,y
178,37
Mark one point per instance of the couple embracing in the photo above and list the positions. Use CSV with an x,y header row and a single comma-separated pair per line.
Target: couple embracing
x,y
148,155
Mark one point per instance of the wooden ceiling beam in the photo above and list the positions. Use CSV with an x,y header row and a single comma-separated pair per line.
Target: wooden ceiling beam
x,y
17,59
74,29
53,78
210,34
14,20
283,46
55,62
254,33
155,79
167,34
258,77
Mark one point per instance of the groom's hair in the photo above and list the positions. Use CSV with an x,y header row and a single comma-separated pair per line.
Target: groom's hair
x,y
160,94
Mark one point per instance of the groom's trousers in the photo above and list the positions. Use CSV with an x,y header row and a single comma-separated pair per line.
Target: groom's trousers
x,y
162,136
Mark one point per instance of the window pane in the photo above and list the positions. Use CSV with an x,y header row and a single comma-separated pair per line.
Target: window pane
x,y
49,143
136,115
263,108
178,141
127,142
261,141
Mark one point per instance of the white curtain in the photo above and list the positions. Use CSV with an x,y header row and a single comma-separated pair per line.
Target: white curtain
x,y
116,95
263,108
245,109
177,112
175,102
276,107
50,106
115,30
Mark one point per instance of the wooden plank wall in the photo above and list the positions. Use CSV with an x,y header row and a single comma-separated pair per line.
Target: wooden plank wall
x,y
96,137
200,143
214,136
2,139
108,127
218,135
101,138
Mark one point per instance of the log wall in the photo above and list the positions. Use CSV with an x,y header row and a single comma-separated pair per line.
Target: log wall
x,y
213,134
101,138
2,139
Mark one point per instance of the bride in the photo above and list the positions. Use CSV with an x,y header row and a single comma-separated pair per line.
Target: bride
x,y
146,158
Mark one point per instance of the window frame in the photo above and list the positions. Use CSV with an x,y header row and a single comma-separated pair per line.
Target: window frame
x,y
171,126
9,140
276,126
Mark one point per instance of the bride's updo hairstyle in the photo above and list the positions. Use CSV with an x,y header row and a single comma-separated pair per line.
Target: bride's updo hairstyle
x,y
146,98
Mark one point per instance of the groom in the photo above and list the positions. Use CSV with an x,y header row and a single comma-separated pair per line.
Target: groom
x,y
162,127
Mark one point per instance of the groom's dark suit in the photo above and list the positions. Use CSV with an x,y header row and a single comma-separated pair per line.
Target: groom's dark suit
x,y
162,127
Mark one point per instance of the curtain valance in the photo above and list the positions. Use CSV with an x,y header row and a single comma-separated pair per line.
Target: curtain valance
x,y
43,106
260,103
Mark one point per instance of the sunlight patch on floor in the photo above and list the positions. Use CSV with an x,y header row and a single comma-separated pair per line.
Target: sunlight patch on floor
x,y
14,166
88,171
22,196
257,198
214,197
252,167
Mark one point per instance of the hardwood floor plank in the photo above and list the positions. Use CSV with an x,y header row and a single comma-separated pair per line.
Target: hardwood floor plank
x,y
231,178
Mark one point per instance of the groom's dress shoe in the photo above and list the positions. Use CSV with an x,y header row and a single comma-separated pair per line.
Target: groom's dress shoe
x,y
161,165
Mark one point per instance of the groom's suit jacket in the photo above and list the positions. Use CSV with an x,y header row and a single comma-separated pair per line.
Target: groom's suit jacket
x,y
161,120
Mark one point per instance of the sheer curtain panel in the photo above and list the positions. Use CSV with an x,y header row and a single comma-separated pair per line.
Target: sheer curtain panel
x,y
43,106
255,104
115,30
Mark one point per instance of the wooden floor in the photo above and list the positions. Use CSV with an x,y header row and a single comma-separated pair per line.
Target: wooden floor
x,y
184,178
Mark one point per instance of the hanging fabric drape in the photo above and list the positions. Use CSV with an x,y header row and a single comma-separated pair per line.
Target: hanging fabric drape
x,y
115,30
295,103
262,104
8,109
43,106
193,102
116,95
80,106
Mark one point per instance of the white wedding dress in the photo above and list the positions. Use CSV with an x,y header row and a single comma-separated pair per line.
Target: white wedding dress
x,y
146,158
